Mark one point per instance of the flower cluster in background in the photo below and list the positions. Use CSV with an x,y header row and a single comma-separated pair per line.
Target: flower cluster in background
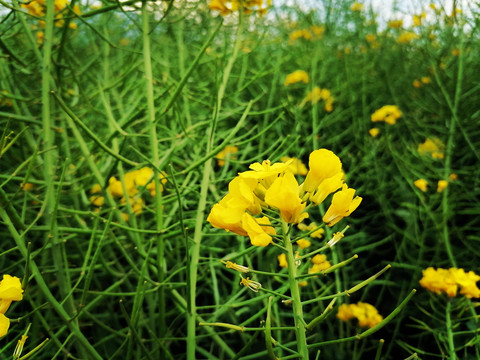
x,y
449,281
10,290
388,113
226,7
366,314
129,189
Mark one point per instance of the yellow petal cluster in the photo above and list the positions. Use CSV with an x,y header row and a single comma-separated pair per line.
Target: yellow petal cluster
x,y
388,113
226,153
343,204
38,8
395,24
406,36
422,184
10,290
318,94
450,280
320,263
296,166
296,77
312,33
356,7
366,314
226,7
433,147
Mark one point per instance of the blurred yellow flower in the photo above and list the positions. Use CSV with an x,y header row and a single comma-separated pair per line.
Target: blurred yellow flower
x,y
442,185
395,24
425,80
227,153
374,132
456,52
320,263
417,19
388,113
422,184
303,243
356,7
366,314
449,280
312,226
417,83
298,34
296,76
296,166
343,204
406,37
433,147
453,177
282,260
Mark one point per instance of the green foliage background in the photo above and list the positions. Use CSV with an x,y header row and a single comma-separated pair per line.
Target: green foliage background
x,y
122,289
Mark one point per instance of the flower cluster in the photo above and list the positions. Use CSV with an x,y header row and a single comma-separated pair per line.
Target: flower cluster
x,y
296,77
406,36
388,113
422,184
38,8
433,147
10,290
226,7
274,187
312,33
318,94
133,181
366,314
450,280
424,80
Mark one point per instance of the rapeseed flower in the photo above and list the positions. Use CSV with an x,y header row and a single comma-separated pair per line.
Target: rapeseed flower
x,y
226,7
296,166
255,286
10,290
283,195
449,281
258,230
343,204
323,164
282,260
433,147
303,243
320,263
356,7
318,94
406,36
395,24
388,113
227,153
422,184
366,314
298,34
374,132
326,187
442,185
296,77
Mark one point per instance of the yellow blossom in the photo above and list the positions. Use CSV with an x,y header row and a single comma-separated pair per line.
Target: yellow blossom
x,y
356,7
282,260
388,113
453,177
227,153
259,235
296,76
295,165
297,34
417,83
406,37
10,290
425,80
366,314
318,233
323,164
449,280
442,185
433,147
283,195
374,132
303,243
265,173
395,24
456,52
370,38
422,184
326,187
343,204
27,186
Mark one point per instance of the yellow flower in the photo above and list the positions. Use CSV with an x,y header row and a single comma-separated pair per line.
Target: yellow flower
x,y
370,38
425,79
226,153
326,187
27,186
366,314
356,7
303,243
296,76
283,195
10,290
297,34
259,235
318,94
448,281
442,185
453,177
343,204
96,200
395,24
295,165
227,217
265,173
388,113
433,147
456,52
374,132
320,263
406,37
323,164
316,234
417,19
282,260
417,83
422,184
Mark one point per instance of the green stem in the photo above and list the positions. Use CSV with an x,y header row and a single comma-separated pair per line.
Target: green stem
x,y
448,320
161,264
300,326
